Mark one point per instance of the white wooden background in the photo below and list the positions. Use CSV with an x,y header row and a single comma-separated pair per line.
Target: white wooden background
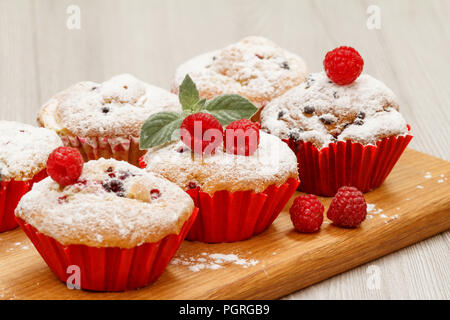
x,y
39,56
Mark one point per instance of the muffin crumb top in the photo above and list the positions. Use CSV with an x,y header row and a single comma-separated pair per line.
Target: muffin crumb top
x,y
117,107
322,112
272,163
255,68
24,149
113,204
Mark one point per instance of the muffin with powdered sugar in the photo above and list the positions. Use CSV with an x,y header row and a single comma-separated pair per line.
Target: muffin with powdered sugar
x,y
342,134
114,215
239,177
254,68
103,120
24,150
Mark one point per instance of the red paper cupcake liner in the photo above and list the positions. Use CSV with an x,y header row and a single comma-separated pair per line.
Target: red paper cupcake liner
x,y
93,148
234,216
109,269
10,194
323,172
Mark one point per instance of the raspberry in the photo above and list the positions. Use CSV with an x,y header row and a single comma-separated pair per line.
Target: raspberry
x,y
241,137
114,186
64,165
348,208
307,213
201,132
343,65
155,194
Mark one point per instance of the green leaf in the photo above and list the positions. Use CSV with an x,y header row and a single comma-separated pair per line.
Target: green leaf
x,y
230,107
159,128
188,94
199,105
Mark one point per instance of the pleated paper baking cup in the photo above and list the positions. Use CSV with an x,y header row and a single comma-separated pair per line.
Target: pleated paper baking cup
x,y
119,148
323,172
234,216
10,194
108,269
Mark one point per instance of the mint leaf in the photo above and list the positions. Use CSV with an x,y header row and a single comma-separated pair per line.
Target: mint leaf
x,y
159,129
230,107
199,105
188,94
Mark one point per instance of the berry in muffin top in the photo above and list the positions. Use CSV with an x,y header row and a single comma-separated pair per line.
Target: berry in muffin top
x,y
112,204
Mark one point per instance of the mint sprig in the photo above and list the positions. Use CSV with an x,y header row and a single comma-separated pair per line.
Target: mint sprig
x,y
160,128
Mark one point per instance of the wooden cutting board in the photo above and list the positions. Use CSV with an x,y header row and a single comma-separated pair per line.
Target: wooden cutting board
x,y
413,204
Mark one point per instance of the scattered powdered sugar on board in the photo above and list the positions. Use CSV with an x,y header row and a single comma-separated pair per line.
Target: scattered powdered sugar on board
x,y
419,186
391,218
372,209
428,175
212,261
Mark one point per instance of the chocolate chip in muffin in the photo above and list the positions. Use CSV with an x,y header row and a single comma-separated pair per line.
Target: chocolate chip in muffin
x,y
285,65
309,109
326,120
358,122
105,110
361,115
214,58
335,95
309,80
192,185
281,114
94,88
181,149
294,135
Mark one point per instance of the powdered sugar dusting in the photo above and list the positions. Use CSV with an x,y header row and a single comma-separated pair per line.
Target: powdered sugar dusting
x,y
254,67
323,112
272,163
212,261
371,208
24,149
117,107
95,212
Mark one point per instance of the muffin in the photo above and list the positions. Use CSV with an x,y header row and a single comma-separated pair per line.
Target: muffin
x,y
255,68
103,120
238,196
119,224
24,150
342,134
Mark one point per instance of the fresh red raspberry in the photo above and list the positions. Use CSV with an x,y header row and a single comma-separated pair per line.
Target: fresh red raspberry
x,y
241,137
201,132
343,65
348,208
307,213
65,165
142,163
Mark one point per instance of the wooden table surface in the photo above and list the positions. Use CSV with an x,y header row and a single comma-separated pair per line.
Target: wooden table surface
x,y
40,55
